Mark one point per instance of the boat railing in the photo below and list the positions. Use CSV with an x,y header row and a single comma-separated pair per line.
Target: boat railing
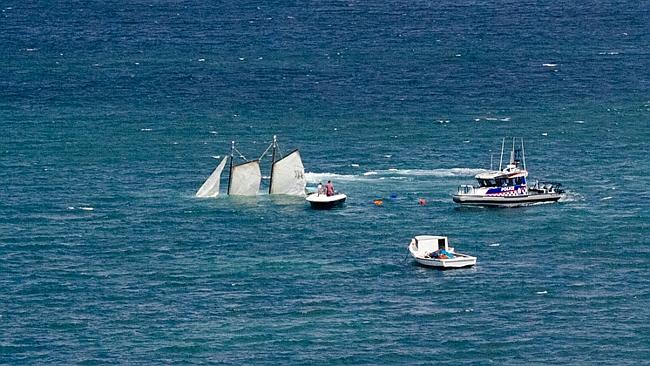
x,y
465,189
547,187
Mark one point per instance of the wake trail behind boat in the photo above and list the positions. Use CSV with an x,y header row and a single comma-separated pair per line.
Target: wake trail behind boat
x,y
393,173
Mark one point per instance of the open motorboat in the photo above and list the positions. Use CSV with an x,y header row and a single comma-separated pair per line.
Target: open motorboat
x,y
321,201
434,251
508,186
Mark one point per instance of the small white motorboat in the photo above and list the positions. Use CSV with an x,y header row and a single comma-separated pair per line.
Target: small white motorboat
x,y
321,201
434,251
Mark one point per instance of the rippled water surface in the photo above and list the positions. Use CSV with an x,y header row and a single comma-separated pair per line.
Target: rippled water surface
x,y
112,113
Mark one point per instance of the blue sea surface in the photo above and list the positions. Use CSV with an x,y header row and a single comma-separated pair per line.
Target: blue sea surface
x,y
111,113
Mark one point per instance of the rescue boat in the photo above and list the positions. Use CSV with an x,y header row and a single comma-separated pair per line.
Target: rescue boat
x,y
508,186
320,201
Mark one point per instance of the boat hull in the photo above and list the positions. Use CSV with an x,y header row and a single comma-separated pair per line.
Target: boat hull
x,y
505,201
321,202
457,262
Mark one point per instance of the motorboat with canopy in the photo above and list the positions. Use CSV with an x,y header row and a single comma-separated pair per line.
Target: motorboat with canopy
x,y
434,251
507,186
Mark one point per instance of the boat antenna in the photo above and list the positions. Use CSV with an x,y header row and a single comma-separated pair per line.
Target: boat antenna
x,y
491,158
275,146
523,153
503,142
232,154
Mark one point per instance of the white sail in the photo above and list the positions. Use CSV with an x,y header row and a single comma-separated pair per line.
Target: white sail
x,y
245,179
289,176
210,187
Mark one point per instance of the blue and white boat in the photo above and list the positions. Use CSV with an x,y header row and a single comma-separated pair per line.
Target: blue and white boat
x,y
507,187
434,251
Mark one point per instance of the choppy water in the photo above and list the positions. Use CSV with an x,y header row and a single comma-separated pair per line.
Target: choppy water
x,y
111,113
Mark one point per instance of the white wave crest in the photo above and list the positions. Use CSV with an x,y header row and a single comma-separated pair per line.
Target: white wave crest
x,y
451,172
569,196
394,174
319,177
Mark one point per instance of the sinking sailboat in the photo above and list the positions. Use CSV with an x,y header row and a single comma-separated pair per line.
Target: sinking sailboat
x,y
210,187
244,178
287,175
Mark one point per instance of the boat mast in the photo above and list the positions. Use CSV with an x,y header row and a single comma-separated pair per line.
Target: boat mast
x,y
503,142
523,153
512,153
232,154
491,158
275,144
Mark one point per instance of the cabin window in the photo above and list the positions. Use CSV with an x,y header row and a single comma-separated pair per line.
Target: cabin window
x,y
486,182
441,244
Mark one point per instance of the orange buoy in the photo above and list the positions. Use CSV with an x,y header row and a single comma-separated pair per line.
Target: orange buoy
x,y
378,202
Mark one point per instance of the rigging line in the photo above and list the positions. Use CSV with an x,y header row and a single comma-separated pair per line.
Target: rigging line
x,y
240,154
279,150
266,151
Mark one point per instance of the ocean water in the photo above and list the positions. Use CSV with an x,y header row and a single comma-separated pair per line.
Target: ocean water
x,y
111,113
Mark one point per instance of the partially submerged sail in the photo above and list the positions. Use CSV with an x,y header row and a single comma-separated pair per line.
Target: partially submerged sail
x,y
245,179
210,187
288,176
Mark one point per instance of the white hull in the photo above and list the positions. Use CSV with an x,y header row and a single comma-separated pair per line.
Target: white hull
x,y
507,201
460,260
457,262
324,202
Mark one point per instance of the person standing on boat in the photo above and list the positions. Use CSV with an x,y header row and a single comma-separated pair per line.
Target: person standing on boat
x,y
329,188
320,189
